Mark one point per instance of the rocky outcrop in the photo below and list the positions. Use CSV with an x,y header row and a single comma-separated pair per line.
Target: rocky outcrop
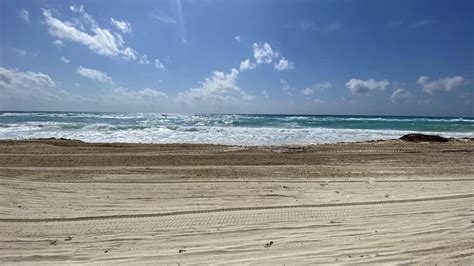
x,y
416,137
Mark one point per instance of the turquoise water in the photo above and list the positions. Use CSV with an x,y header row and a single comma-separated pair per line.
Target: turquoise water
x,y
222,128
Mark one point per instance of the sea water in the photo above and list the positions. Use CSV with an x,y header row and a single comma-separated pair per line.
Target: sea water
x,y
235,129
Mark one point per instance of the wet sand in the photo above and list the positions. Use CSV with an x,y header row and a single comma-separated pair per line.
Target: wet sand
x,y
348,203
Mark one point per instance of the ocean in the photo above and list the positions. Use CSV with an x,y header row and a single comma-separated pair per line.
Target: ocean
x,y
233,129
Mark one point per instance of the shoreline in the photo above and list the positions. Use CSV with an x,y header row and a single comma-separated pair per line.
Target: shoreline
x,y
71,141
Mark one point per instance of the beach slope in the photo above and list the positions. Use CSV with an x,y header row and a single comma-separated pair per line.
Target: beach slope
x,y
378,202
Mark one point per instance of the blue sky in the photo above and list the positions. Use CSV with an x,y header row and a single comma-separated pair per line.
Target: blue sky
x,y
307,57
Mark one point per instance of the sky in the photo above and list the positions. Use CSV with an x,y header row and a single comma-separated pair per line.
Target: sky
x,y
277,57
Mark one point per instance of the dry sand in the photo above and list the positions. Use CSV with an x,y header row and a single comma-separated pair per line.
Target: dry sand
x,y
358,203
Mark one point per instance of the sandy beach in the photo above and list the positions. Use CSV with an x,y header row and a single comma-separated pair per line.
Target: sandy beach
x,y
347,203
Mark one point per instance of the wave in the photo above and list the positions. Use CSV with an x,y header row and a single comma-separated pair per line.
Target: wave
x,y
220,135
222,128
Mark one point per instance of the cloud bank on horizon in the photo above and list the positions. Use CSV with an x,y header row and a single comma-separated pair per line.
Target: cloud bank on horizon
x,y
187,56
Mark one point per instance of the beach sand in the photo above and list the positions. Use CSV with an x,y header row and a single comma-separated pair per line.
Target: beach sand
x,y
373,202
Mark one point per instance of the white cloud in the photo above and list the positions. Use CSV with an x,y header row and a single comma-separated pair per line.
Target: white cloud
x,y
28,90
366,87
136,100
422,79
307,92
306,25
159,65
422,23
284,65
58,43
102,41
286,87
394,23
310,25
164,18
144,60
20,52
324,85
401,95
148,94
37,91
265,94
247,64
285,84
65,60
86,18
317,87
238,38
219,86
316,100
12,78
122,26
94,74
332,27
445,84
263,53
24,15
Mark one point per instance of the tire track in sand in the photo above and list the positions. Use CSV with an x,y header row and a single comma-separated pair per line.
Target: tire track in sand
x,y
229,217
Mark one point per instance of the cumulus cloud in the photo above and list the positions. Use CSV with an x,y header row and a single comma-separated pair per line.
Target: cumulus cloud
x,y
316,87
28,90
422,80
65,60
11,79
247,64
366,87
219,86
324,85
24,15
159,65
284,64
445,84
37,91
102,41
127,99
307,92
401,95
94,74
286,87
58,43
144,60
20,52
148,94
123,26
263,53
238,38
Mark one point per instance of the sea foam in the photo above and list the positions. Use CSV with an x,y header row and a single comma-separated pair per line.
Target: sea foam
x,y
222,128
